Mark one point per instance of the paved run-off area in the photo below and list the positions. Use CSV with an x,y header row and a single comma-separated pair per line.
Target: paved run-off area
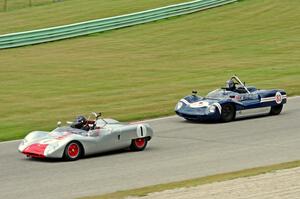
x,y
282,184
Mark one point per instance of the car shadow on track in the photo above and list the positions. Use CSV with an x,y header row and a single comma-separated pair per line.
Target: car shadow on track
x,y
97,155
236,120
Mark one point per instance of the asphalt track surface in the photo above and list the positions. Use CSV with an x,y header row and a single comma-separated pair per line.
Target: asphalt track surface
x,y
180,150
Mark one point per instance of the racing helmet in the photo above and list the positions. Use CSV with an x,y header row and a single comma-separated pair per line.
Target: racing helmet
x,y
230,84
79,122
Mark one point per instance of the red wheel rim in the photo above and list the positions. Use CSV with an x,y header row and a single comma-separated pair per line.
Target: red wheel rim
x,y
140,143
73,150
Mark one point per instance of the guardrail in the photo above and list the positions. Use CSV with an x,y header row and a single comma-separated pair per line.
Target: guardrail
x,y
100,25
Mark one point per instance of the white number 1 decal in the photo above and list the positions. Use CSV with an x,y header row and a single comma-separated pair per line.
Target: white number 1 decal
x,y
141,131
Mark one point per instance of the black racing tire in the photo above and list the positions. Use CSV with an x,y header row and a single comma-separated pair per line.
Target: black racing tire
x,y
138,144
276,110
73,151
228,113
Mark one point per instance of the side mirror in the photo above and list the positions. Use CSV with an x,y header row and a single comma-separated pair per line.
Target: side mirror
x,y
97,115
58,123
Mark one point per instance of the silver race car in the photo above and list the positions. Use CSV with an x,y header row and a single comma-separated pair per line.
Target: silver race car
x,y
85,137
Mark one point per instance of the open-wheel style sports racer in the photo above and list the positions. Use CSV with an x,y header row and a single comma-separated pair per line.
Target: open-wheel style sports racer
x,y
233,101
85,137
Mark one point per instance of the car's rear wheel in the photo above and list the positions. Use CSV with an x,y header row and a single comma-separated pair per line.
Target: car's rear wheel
x,y
138,144
73,151
228,113
276,110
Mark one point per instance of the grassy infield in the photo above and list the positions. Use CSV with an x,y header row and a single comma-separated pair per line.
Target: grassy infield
x,y
142,71
12,5
45,13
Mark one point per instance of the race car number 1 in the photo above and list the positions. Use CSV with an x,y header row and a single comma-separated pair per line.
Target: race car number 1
x,y
141,131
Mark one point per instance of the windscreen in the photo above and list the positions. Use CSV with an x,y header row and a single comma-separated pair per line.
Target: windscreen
x,y
62,131
219,94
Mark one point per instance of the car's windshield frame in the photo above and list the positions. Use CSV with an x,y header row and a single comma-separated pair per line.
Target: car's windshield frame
x,y
220,94
65,130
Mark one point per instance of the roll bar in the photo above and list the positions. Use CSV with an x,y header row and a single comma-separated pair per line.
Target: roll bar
x,y
236,78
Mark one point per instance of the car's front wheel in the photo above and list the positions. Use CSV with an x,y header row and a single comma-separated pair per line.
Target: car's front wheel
x,y
73,151
228,113
138,144
276,110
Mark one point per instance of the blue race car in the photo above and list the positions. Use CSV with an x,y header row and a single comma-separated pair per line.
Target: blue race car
x,y
234,101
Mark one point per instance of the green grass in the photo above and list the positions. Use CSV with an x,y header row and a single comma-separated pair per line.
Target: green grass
x,y
141,71
12,5
197,181
68,11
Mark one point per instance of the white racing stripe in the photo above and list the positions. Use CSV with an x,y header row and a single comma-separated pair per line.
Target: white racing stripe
x,y
184,101
269,99
252,112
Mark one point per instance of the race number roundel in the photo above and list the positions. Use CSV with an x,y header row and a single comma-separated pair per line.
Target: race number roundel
x,y
278,98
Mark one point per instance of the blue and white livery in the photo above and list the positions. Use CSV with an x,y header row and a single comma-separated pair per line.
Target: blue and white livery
x,y
234,101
